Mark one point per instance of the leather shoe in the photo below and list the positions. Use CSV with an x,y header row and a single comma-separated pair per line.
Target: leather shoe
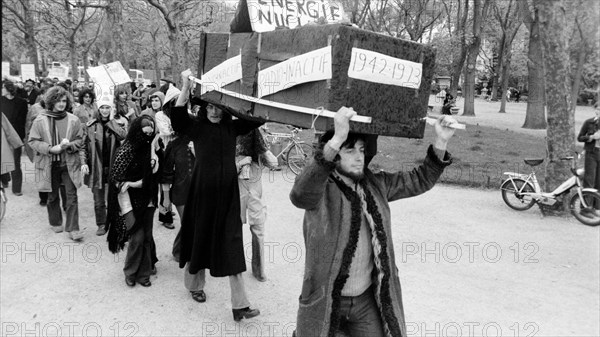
x,y
168,225
246,312
129,282
199,296
145,283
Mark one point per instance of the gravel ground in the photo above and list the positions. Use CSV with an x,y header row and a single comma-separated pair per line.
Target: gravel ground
x,y
469,266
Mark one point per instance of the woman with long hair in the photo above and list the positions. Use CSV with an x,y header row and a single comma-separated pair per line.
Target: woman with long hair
x,y
87,105
123,106
132,202
56,137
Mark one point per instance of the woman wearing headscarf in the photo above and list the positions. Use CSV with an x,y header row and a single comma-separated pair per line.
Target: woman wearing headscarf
x,y
211,228
132,202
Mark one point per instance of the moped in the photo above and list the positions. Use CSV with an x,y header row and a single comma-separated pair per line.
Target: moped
x,y
521,191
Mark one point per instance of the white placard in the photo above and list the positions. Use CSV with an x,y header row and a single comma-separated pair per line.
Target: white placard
x,y
309,67
117,73
103,84
267,15
227,72
5,68
100,77
27,71
379,68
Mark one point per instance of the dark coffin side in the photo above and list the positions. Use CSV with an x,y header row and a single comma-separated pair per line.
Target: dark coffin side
x,y
396,111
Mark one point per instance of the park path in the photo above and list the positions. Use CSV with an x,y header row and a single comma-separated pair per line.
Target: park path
x,y
469,266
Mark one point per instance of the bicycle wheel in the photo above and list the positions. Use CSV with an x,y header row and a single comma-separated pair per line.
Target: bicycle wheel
x,y
512,194
298,156
586,215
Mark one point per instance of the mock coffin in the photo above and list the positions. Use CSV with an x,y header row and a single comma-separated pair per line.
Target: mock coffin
x,y
317,68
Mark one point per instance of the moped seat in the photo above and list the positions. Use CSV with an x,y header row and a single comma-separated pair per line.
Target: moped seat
x,y
533,162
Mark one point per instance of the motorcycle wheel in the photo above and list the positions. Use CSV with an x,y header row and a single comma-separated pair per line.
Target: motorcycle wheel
x,y
592,217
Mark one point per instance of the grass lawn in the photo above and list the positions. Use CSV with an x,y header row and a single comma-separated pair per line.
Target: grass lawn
x,y
480,154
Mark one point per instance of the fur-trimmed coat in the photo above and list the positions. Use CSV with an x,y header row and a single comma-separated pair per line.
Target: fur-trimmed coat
x,y
326,231
92,151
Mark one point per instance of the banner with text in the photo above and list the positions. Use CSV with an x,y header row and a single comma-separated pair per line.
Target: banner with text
x,y
27,71
379,68
309,67
222,74
267,15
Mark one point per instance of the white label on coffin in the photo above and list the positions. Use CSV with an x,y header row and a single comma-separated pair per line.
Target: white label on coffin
x,y
309,67
267,15
379,68
227,72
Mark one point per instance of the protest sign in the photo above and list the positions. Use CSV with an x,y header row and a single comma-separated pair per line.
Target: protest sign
x,y
106,77
117,73
5,69
267,15
28,72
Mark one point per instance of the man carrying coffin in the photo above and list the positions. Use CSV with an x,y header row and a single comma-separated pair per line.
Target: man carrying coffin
x,y
351,283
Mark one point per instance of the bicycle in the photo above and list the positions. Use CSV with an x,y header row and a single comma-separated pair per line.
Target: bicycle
x,y
296,153
521,191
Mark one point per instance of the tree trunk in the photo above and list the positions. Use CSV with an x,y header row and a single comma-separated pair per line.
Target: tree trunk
x,y
468,87
86,64
32,52
561,124
496,91
479,17
504,86
73,59
577,77
177,58
535,117
155,54
114,11
459,61
43,57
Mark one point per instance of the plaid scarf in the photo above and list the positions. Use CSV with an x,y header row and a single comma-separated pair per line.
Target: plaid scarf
x,y
52,117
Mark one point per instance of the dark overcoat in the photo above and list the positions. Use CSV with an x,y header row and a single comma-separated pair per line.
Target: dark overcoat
x,y
211,228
